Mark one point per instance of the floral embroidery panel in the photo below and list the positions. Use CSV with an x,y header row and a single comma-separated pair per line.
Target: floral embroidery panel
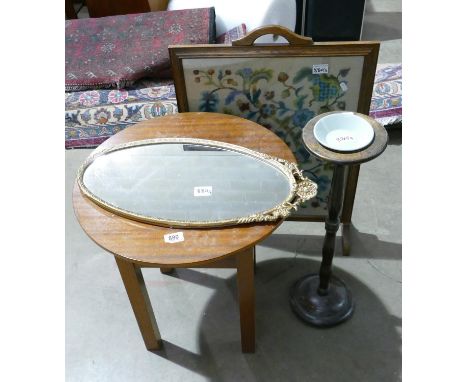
x,y
282,94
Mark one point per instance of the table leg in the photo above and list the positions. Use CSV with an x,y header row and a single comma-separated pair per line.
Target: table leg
x,y
323,299
345,238
166,271
246,292
348,203
141,305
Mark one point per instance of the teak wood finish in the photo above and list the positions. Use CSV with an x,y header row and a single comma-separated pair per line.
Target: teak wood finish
x,y
299,46
138,245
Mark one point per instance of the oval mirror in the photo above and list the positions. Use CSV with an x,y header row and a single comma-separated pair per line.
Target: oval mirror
x,y
184,182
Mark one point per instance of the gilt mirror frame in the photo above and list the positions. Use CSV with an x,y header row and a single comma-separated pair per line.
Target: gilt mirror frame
x,y
300,188
362,54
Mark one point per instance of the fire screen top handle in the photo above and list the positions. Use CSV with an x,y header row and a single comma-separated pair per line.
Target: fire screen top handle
x,y
291,37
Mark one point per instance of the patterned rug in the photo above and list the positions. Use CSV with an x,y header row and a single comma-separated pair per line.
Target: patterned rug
x,y
93,116
386,104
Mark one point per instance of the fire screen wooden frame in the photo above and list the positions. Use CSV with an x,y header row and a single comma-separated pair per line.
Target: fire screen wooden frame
x,y
282,87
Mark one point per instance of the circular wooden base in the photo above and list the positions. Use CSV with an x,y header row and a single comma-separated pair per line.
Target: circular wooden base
x,y
321,310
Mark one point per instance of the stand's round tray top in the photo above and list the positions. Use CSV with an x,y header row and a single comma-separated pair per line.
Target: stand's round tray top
x,y
377,144
145,243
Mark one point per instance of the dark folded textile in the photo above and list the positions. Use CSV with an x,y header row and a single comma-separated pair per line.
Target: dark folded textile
x,y
115,51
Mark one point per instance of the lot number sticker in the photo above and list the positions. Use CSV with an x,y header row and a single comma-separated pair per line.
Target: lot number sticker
x,y
175,237
320,69
202,191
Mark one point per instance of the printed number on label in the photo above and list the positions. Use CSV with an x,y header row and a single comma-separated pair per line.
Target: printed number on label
x,y
202,191
320,69
174,237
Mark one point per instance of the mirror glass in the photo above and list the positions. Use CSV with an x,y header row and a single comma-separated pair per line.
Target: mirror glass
x,y
186,182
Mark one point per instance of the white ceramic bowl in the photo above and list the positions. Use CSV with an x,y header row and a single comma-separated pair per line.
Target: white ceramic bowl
x,y
343,132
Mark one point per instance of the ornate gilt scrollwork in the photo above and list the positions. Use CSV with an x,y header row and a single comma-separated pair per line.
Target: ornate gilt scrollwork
x,y
303,189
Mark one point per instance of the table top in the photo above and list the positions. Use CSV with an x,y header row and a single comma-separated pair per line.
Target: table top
x,y
370,152
144,243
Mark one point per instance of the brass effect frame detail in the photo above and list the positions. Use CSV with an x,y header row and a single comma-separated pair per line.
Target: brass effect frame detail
x,y
301,188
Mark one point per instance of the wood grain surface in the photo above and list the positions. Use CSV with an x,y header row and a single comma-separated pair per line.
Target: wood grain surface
x,y
144,244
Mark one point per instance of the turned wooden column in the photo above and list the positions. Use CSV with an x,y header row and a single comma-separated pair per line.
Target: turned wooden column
x,y
332,223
